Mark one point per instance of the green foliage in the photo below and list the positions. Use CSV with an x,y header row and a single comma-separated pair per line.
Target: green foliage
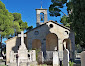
x,y
56,6
75,19
55,9
37,51
2,6
10,23
17,16
71,63
78,21
79,48
43,64
19,25
29,28
65,21
6,21
38,65
3,65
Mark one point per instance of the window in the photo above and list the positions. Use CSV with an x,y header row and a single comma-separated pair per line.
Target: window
x,y
36,32
66,32
51,25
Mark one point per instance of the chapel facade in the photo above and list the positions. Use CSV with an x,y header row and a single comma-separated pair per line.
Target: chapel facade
x,y
47,36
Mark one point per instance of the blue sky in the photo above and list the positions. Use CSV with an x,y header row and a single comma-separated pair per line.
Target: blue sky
x,y
27,9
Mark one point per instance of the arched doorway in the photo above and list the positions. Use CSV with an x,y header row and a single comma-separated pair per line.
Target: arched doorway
x,y
51,42
36,44
67,44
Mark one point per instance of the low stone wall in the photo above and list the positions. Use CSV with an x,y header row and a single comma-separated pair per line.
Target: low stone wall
x,y
78,55
76,64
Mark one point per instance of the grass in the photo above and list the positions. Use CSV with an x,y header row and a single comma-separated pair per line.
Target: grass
x,y
39,65
2,65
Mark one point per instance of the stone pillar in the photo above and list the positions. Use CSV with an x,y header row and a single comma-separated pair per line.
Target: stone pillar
x,y
45,17
12,59
83,58
72,38
49,55
38,20
33,55
60,49
55,58
11,56
65,57
64,45
40,57
44,47
29,56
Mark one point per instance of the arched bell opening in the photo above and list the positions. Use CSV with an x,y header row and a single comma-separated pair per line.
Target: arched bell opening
x,y
42,17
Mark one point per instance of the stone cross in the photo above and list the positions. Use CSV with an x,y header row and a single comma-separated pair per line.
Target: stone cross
x,y
22,35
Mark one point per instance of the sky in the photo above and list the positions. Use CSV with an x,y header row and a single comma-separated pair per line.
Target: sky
x,y
27,10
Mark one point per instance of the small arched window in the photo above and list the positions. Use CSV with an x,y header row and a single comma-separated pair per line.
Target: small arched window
x,y
41,17
66,32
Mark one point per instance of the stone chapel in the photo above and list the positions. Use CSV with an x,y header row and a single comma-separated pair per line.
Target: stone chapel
x,y
47,36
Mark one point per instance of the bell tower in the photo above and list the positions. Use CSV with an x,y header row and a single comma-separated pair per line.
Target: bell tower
x,y
41,15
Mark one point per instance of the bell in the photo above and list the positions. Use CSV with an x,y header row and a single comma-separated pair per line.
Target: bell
x,y
41,19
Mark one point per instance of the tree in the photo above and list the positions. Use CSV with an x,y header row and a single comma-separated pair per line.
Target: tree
x,y
65,21
6,22
19,25
74,20
78,21
10,23
56,6
29,28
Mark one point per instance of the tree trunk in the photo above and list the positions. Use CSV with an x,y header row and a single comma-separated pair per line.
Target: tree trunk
x,y
65,14
1,45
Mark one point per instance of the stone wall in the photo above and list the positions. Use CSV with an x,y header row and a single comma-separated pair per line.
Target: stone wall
x,y
12,45
72,38
41,33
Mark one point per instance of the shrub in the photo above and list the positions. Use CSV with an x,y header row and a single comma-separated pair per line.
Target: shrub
x,y
71,63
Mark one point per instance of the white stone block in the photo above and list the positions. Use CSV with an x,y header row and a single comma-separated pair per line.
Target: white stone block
x,y
33,55
1,57
65,57
83,58
49,55
55,58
